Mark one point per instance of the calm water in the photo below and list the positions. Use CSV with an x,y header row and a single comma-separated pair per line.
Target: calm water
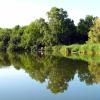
x,y
32,77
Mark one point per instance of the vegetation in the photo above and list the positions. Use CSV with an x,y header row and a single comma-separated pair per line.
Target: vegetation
x,y
61,37
62,28
59,30
84,26
93,44
89,49
94,33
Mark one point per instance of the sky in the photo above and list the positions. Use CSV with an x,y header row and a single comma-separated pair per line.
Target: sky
x,y
23,12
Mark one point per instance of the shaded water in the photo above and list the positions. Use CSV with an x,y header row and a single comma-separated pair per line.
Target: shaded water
x,y
35,77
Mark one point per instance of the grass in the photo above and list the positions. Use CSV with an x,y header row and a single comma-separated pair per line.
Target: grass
x,y
85,52
85,49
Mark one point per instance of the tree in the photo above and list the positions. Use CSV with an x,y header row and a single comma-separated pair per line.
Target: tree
x,y
94,33
61,27
84,27
15,38
34,33
4,38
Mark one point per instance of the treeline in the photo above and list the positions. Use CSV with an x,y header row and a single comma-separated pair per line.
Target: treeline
x,y
59,30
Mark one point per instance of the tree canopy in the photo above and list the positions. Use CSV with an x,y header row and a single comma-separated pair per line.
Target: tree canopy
x,y
61,27
94,33
84,26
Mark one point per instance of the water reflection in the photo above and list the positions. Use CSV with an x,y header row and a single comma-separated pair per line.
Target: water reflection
x,y
59,71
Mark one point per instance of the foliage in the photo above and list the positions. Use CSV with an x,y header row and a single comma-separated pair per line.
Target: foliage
x,y
94,33
15,38
61,27
34,34
87,49
4,38
84,27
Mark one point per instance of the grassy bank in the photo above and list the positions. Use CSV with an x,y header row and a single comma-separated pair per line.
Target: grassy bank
x,y
85,49
86,52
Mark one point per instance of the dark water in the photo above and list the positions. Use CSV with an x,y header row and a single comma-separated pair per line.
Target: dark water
x,y
36,77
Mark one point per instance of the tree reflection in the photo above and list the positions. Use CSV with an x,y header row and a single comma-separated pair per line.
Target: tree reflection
x,y
59,71
94,69
4,60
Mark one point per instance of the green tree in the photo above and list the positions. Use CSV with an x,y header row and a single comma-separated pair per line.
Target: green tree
x,y
15,38
4,38
94,33
34,34
61,27
84,27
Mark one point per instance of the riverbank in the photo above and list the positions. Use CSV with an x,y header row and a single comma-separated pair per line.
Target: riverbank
x,y
85,49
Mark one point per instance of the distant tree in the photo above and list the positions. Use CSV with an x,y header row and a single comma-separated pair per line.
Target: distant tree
x,y
84,27
94,33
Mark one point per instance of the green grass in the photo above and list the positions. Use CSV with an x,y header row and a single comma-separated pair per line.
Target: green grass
x,y
86,52
85,49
